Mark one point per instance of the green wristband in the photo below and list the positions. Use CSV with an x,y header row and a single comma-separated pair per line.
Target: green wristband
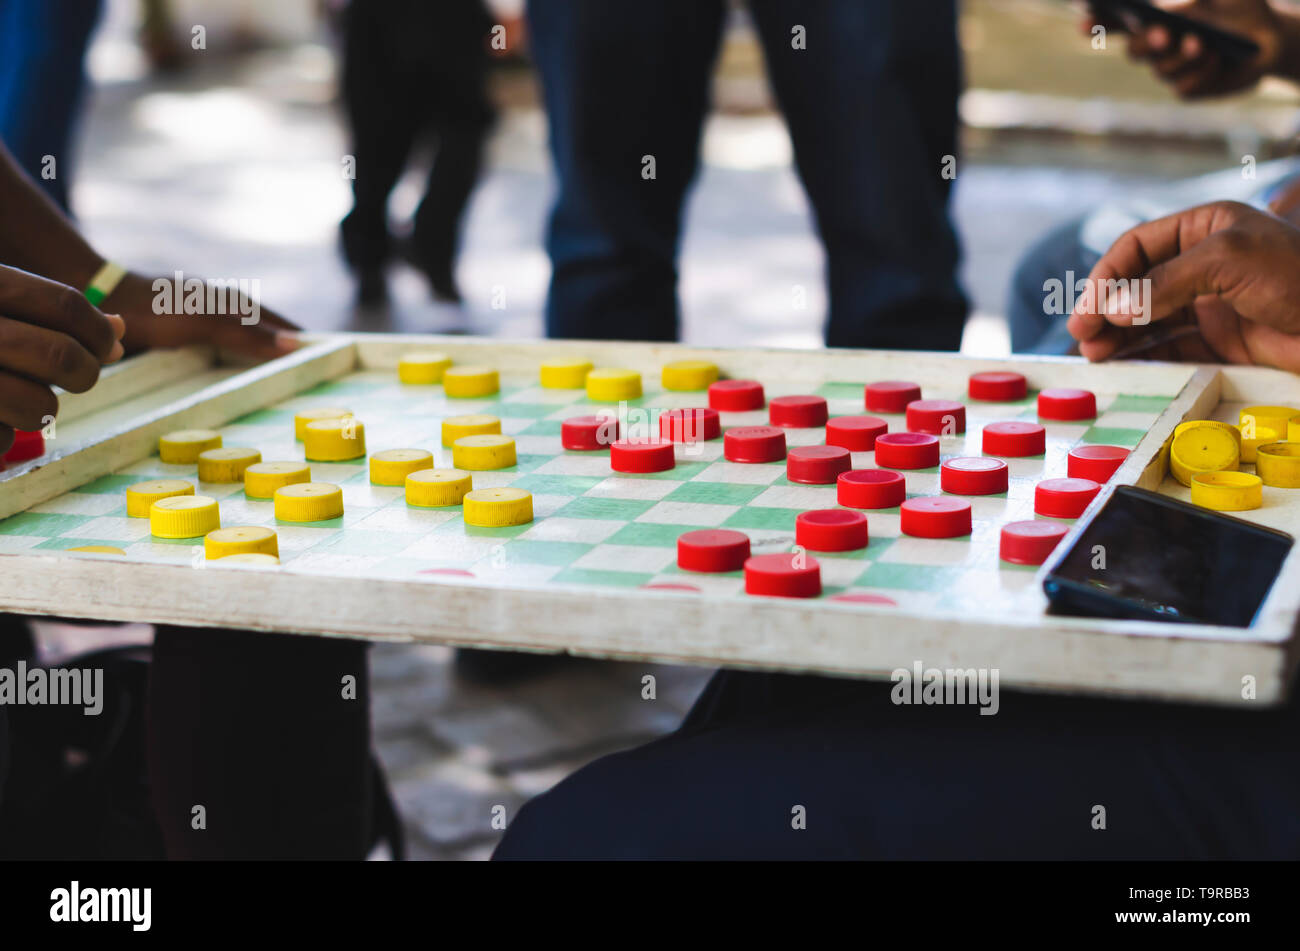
x,y
104,282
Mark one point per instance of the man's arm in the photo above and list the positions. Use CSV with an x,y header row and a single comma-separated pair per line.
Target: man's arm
x,y
36,237
34,234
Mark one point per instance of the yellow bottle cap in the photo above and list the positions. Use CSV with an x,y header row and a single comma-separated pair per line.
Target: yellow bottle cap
x,y
184,516
493,508
183,446
1274,417
476,424
1193,423
436,488
1293,429
301,419
262,478
240,540
98,550
334,440
249,558
1250,446
483,452
226,464
1278,464
425,366
610,385
141,496
565,374
1227,491
308,502
392,466
468,382
689,375
1203,447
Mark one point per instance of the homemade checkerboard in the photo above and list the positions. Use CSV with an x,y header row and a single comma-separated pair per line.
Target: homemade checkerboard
x,y
596,570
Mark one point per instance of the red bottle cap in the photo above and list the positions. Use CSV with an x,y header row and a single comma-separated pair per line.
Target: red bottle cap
x,y
1097,463
641,456
712,549
1014,439
694,424
736,396
907,450
817,465
1030,542
754,444
28,444
864,598
797,412
974,475
665,586
1064,498
940,417
855,433
870,489
935,518
998,387
890,396
1066,404
588,433
787,575
831,530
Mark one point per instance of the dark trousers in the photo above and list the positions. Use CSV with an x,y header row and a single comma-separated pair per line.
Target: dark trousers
x,y
880,781
42,81
257,730
871,106
413,69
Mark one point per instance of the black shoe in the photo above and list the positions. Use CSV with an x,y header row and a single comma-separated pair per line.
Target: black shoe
x,y
372,287
444,286
437,269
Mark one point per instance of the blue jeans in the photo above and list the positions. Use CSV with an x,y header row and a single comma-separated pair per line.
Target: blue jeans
x,y
871,105
42,79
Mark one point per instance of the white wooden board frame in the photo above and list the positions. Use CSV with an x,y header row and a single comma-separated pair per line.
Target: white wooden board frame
x,y
1036,651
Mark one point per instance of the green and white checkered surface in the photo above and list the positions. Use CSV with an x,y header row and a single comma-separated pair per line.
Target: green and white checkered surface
x,y
593,527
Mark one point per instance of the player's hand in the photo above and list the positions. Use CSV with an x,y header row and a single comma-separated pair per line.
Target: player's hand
x,y
152,320
1190,67
1230,270
50,335
1286,204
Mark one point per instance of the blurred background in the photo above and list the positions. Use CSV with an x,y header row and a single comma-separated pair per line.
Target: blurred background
x,y
226,161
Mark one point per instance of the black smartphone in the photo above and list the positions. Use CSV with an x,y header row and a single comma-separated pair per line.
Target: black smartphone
x,y
1149,557
1136,14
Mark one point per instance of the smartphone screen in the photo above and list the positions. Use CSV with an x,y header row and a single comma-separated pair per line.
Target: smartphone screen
x,y
1149,557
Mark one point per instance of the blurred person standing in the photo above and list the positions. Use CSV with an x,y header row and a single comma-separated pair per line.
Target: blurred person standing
x,y
412,68
42,84
869,92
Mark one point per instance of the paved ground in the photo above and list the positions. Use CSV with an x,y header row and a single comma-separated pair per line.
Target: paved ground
x,y
235,171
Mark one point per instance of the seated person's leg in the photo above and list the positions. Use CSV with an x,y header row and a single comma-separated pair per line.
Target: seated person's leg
x,y
1037,323
875,780
262,731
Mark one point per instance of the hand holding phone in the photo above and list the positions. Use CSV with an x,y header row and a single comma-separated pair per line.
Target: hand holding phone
x,y
1203,47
